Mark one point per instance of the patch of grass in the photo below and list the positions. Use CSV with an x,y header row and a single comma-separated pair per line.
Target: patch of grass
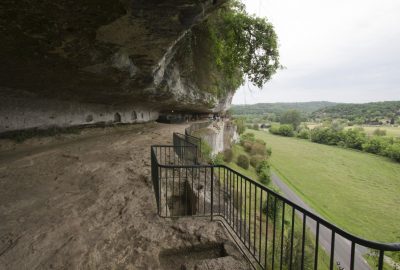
x,y
355,190
22,135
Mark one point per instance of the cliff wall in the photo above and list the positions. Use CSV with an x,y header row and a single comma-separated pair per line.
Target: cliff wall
x,y
65,60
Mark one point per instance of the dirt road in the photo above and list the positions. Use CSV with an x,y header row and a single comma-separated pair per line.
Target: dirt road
x,y
86,202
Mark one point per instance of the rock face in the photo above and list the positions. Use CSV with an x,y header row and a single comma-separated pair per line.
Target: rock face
x,y
118,54
218,135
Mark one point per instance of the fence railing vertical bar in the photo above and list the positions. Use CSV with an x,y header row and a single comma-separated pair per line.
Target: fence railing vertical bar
x,y
263,221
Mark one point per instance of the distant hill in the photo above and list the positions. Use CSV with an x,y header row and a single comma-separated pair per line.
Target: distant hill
x,y
366,111
278,108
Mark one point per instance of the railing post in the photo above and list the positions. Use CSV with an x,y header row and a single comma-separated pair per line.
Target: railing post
x,y
212,192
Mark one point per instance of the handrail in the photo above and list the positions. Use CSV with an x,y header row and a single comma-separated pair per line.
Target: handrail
x,y
205,174
359,240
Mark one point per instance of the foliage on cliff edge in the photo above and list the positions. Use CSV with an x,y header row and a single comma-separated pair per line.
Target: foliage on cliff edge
x,y
233,46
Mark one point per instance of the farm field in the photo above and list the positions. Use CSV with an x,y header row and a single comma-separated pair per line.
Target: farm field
x,y
391,131
357,191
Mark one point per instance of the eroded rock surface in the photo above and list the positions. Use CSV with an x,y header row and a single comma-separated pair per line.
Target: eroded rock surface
x,y
104,52
86,202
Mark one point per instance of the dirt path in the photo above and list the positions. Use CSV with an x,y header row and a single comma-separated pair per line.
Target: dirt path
x,y
86,202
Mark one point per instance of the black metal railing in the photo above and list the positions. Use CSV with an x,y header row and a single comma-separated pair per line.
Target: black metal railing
x,y
188,140
272,231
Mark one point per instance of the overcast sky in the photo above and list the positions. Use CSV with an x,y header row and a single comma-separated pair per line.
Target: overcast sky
x,y
334,50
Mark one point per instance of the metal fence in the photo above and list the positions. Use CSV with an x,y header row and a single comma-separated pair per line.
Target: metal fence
x,y
188,140
273,232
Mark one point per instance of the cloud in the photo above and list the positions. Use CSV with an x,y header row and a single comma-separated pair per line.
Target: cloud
x,y
346,51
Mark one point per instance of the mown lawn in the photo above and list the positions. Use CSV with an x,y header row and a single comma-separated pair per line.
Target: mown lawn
x,y
357,191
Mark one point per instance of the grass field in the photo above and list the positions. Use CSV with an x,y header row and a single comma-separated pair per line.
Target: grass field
x,y
390,131
357,191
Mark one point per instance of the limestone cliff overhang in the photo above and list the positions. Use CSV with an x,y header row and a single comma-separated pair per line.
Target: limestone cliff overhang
x,y
104,52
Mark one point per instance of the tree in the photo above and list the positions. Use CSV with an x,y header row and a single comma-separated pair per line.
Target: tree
x,y
240,125
243,43
292,117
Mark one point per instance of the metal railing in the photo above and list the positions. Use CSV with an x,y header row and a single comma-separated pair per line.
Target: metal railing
x,y
272,231
188,140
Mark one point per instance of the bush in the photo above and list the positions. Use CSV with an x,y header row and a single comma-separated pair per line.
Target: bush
x,y
247,146
265,176
255,160
379,132
258,149
218,159
354,138
326,136
206,151
256,127
269,151
248,137
283,130
393,151
304,134
261,166
272,207
243,161
375,145
274,129
228,155
260,142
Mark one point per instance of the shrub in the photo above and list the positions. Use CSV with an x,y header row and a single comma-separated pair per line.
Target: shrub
x,y
283,130
379,132
326,136
265,176
255,160
375,145
286,130
269,151
272,207
206,151
243,161
228,155
354,138
247,146
304,134
218,159
248,137
260,142
256,127
261,166
393,151
274,129
258,149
